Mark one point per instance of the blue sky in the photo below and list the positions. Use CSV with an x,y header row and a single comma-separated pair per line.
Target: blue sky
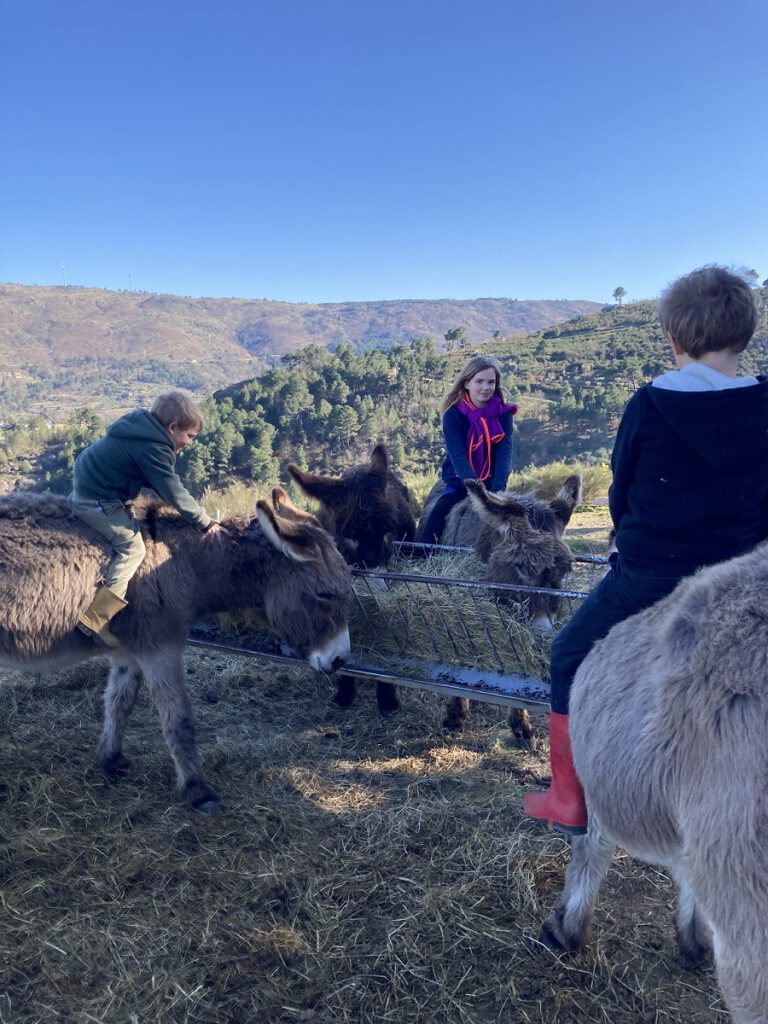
x,y
326,150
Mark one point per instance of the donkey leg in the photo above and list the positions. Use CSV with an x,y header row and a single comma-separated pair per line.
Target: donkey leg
x,y
164,672
523,729
456,714
123,684
567,927
387,700
694,936
345,691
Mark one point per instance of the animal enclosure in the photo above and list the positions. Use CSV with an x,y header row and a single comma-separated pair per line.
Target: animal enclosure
x,y
431,624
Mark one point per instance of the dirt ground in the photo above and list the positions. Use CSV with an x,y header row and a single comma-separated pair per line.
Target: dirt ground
x,y
366,870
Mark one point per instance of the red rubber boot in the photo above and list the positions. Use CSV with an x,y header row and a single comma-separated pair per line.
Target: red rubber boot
x,y
562,806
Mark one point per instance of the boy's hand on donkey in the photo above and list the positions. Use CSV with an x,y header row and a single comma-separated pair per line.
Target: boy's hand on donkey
x,y
217,532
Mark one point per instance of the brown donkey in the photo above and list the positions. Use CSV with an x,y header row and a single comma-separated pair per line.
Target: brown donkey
x,y
669,725
365,509
279,561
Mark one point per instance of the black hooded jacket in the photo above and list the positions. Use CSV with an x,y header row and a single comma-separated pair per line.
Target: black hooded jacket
x,y
690,477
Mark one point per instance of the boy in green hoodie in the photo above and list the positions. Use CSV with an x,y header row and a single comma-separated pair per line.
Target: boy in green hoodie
x,y
139,450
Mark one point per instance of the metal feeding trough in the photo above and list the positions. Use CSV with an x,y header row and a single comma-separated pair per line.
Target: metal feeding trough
x,y
458,637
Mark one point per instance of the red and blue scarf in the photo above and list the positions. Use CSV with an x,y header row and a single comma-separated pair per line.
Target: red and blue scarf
x,y
484,431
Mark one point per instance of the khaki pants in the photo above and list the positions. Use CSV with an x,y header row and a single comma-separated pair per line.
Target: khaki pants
x,y
115,524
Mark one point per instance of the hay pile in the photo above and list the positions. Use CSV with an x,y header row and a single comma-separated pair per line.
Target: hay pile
x,y
470,628
364,871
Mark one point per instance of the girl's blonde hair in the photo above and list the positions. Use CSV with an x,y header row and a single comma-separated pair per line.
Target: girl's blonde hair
x,y
475,365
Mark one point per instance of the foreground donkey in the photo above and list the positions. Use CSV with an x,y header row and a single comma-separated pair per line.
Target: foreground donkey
x,y
281,562
520,537
669,725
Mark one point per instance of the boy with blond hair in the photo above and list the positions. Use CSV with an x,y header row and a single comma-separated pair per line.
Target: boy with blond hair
x,y
690,488
138,450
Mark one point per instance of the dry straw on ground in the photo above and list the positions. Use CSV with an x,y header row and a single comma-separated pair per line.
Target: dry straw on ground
x,y
363,871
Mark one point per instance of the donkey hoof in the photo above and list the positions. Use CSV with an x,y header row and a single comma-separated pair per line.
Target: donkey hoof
x,y
522,729
386,699
526,740
116,765
199,796
695,945
555,937
549,937
453,724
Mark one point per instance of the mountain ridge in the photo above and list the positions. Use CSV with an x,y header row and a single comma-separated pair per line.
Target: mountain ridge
x,y
112,348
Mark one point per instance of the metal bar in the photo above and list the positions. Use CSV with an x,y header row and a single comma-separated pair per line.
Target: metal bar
x,y
415,544
481,617
457,689
406,639
388,624
506,628
450,581
430,632
361,606
459,617
522,692
447,628
247,652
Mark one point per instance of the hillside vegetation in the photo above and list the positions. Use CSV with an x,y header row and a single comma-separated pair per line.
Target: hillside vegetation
x,y
66,347
326,409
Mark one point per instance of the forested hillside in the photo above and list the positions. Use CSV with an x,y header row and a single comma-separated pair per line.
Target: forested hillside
x,y
325,410
61,348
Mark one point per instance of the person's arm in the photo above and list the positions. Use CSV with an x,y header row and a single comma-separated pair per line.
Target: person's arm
x,y
455,433
623,458
157,464
501,456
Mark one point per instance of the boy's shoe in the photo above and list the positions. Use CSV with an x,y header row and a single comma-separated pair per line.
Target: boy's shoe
x,y
94,621
562,806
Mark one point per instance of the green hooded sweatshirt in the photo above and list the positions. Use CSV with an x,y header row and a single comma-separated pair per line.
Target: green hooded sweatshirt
x,y
136,452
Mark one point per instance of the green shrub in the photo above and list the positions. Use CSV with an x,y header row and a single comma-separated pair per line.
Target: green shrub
x,y
547,480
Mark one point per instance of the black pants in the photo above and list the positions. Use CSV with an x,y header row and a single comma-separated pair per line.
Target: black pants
x,y
621,593
435,524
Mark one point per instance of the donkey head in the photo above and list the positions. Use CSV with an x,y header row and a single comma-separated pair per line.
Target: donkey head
x,y
306,593
359,508
521,540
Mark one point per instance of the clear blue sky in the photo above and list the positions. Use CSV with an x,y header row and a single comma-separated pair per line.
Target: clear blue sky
x,y
330,150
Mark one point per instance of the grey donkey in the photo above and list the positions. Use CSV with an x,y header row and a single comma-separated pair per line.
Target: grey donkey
x,y
669,726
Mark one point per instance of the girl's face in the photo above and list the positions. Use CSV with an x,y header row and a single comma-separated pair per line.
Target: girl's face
x,y
481,387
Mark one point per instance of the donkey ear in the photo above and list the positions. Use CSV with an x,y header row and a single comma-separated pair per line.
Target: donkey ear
x,y
492,509
287,536
327,489
567,498
379,461
283,505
